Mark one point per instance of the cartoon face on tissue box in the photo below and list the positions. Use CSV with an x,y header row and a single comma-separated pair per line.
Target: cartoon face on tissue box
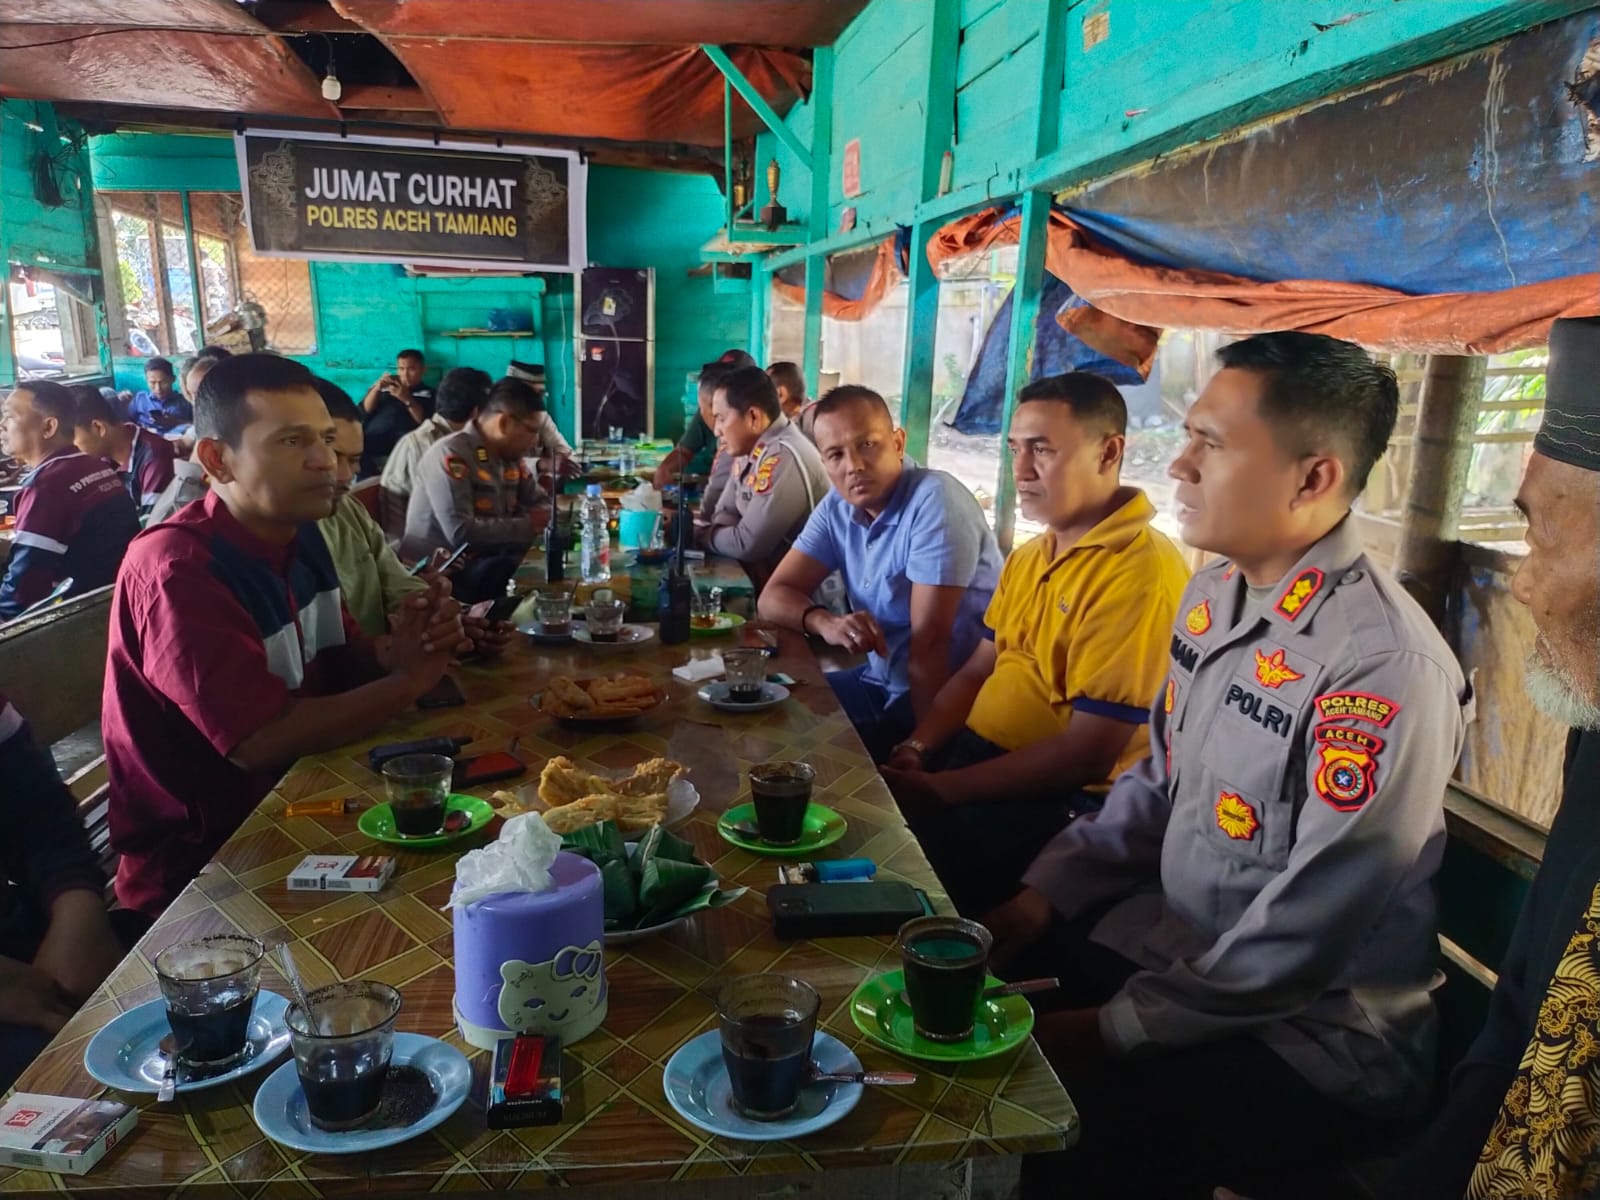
x,y
530,961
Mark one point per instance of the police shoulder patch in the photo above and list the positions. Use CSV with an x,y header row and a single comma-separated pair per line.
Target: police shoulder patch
x,y
455,467
1236,817
1363,706
1299,592
1347,765
763,481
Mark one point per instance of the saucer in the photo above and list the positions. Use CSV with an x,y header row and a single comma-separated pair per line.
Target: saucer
x,y
377,823
627,637
280,1107
126,1053
822,827
881,1011
716,695
697,1087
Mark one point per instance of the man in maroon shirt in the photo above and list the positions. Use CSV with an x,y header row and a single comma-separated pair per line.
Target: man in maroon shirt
x,y
231,654
144,458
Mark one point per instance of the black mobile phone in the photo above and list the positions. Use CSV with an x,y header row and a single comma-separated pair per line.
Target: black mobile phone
x,y
444,694
812,910
502,609
447,746
486,768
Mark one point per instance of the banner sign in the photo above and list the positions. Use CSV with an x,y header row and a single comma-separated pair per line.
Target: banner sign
x,y
365,199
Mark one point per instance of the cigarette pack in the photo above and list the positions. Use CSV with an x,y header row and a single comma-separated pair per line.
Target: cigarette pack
x,y
525,1082
341,873
64,1134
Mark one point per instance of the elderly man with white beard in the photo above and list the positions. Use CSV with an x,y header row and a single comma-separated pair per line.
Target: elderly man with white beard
x,y
1523,1114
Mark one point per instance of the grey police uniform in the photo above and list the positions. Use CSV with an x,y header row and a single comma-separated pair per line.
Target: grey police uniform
x,y
770,492
1293,805
463,493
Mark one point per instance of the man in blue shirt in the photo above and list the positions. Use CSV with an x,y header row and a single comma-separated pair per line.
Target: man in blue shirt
x,y
918,562
160,407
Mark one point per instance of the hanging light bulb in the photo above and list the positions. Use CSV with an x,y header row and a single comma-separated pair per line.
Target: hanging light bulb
x,y
330,84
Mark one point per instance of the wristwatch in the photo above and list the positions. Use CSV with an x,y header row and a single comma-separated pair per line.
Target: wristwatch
x,y
913,745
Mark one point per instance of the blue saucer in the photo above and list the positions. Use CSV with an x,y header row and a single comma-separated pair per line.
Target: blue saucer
x,y
697,1086
280,1108
126,1053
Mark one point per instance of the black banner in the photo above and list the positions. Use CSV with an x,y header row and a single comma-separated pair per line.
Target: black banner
x,y
320,196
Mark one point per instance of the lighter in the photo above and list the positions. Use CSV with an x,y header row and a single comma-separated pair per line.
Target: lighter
x,y
525,1083
335,806
838,870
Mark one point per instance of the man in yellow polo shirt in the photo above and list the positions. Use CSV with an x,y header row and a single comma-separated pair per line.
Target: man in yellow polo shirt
x,y
1052,706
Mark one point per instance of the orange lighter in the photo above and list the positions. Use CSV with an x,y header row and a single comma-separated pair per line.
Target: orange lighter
x,y
330,807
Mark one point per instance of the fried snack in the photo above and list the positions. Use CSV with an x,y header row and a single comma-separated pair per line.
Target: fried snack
x,y
590,810
635,814
650,777
569,695
563,782
623,689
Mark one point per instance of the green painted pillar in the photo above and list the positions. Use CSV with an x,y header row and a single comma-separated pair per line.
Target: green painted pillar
x,y
1019,354
760,305
922,319
817,212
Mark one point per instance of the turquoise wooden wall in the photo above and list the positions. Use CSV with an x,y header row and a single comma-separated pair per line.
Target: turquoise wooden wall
x,y
1166,73
366,312
29,231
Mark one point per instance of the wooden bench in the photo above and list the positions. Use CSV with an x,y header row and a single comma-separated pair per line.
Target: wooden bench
x,y
52,667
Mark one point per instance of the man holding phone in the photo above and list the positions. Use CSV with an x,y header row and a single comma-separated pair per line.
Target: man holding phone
x,y
395,405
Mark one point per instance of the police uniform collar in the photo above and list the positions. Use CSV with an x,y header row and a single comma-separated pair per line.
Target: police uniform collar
x,y
1308,584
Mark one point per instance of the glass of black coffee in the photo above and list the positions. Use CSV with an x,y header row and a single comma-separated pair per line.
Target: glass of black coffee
x,y
605,619
781,792
946,960
210,987
419,786
746,671
342,1047
767,1023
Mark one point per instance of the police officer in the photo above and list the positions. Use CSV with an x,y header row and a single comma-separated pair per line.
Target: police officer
x,y
1247,927
775,480
74,518
472,489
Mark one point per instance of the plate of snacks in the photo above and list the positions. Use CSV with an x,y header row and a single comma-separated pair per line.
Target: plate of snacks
x,y
609,698
649,885
571,797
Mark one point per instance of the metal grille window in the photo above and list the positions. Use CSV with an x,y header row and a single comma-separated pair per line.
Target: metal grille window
x,y
185,276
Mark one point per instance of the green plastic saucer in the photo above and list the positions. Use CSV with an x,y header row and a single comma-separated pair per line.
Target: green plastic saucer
x,y
378,823
881,1011
822,827
726,623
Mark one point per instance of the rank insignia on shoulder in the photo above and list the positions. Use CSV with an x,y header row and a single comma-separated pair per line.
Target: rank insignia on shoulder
x,y
1295,597
762,483
1198,618
483,454
455,467
1235,817
1228,574
1360,705
1273,672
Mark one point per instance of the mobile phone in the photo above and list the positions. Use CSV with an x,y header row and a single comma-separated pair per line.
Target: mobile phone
x,y
422,563
812,910
447,746
444,694
781,677
502,609
486,768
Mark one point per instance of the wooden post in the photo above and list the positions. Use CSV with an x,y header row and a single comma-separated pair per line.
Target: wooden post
x,y
821,178
158,272
1447,418
922,283
1035,206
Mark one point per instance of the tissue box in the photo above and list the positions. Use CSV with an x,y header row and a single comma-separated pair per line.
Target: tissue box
x,y
341,873
61,1133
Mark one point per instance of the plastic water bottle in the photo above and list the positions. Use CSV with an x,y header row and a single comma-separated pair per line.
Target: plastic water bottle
x,y
594,521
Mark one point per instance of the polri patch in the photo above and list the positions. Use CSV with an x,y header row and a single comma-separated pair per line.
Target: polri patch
x,y
1347,764
762,483
455,467
1198,618
1235,817
1363,706
1298,594
1273,672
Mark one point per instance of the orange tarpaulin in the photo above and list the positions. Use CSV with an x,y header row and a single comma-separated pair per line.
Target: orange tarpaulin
x,y
886,273
1127,303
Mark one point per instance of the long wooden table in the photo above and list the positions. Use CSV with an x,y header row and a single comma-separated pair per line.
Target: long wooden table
x,y
957,1133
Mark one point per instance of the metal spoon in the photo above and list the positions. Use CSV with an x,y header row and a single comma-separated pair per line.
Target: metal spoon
x,y
870,1078
169,1073
1022,987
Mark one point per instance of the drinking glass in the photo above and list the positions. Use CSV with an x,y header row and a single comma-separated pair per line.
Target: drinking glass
x,y
605,619
946,962
342,1049
210,987
419,787
781,792
767,1024
705,607
746,671
554,612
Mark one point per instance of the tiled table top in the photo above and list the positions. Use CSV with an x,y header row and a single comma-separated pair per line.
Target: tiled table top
x,y
619,1129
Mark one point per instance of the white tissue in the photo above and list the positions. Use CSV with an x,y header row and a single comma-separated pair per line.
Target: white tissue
x,y
697,670
643,498
519,860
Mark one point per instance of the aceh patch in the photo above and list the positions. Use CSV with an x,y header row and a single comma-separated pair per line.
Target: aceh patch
x,y
1347,765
